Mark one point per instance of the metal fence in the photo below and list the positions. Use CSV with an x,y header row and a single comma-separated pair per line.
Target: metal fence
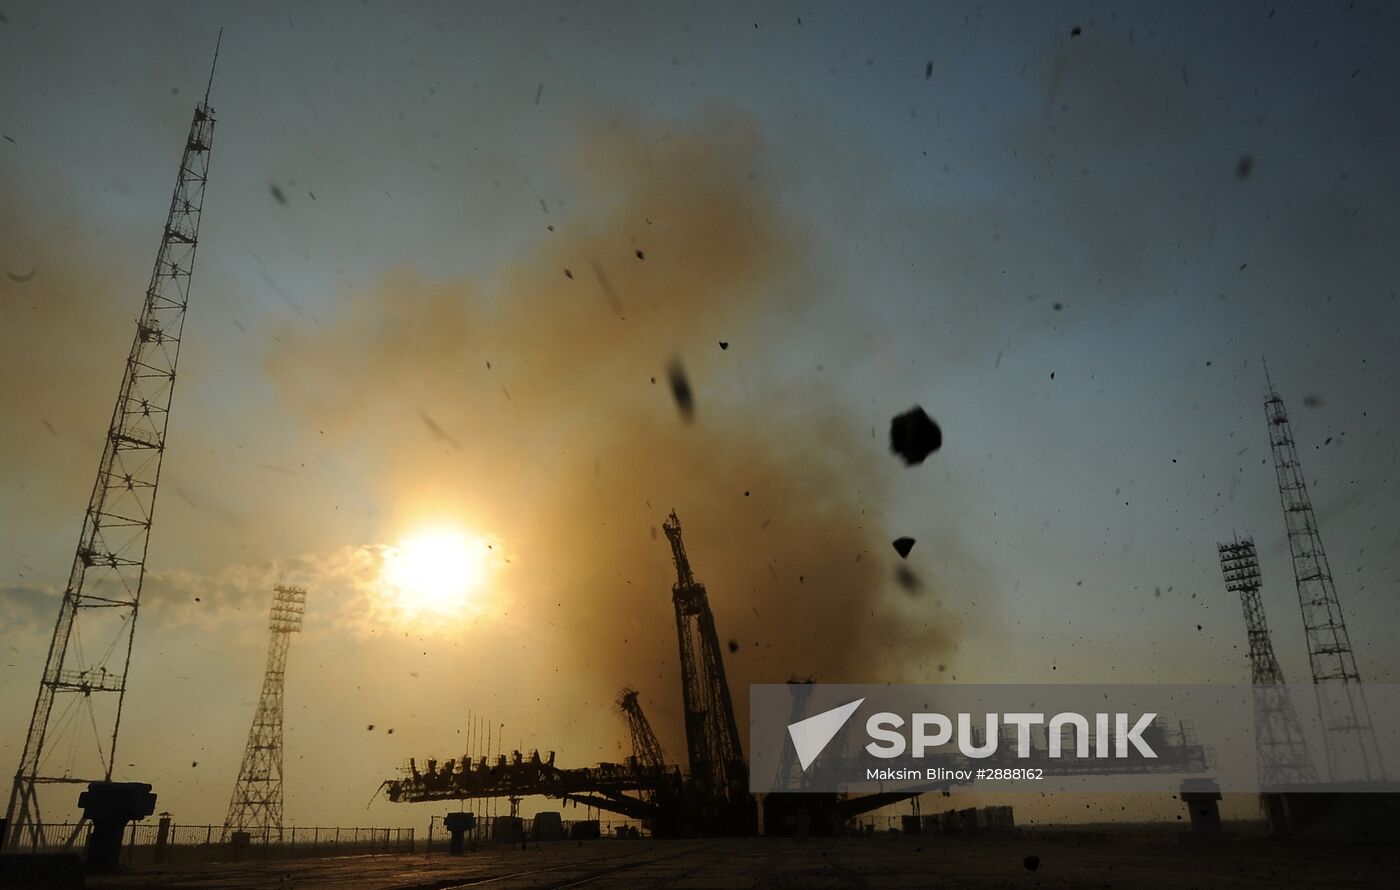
x,y
505,829
146,842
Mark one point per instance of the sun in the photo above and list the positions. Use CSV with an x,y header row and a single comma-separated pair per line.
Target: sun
x,y
434,574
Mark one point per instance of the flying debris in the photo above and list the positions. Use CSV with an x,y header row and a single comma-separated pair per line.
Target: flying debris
x,y
902,546
914,436
907,579
438,432
680,390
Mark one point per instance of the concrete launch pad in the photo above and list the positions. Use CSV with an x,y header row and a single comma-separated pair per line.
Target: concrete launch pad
x,y
874,862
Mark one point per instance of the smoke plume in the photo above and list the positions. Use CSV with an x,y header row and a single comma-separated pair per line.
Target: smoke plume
x,y
535,402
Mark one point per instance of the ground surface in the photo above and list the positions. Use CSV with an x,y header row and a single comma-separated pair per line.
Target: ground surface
x,y
875,862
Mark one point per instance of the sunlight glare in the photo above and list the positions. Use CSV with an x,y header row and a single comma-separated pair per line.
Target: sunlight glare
x,y
435,573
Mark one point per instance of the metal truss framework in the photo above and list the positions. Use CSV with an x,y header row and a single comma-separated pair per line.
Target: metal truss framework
x,y
256,805
72,737
1346,719
1282,749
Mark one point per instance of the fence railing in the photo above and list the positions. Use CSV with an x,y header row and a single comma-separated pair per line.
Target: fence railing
x,y
505,829
146,842
159,842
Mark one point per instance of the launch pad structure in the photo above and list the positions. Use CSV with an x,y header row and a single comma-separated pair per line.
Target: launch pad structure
x,y
712,799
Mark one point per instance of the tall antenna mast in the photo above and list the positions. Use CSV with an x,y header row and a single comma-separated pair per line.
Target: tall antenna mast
x,y
210,85
1349,737
256,805
72,737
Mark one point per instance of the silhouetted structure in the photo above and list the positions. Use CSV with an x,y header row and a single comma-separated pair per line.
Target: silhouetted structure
x,y
607,786
90,653
1349,735
256,806
457,825
645,748
110,806
713,800
719,776
1282,749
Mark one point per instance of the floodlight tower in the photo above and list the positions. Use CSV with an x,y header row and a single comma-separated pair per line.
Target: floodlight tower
x,y
72,737
1349,737
1282,749
256,806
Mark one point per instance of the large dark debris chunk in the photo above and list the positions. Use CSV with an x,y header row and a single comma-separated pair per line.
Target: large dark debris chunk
x,y
914,436
902,546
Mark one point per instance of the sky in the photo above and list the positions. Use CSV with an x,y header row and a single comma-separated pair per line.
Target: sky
x,y
451,251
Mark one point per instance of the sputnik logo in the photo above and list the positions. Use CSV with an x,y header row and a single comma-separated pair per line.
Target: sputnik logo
x,y
811,735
